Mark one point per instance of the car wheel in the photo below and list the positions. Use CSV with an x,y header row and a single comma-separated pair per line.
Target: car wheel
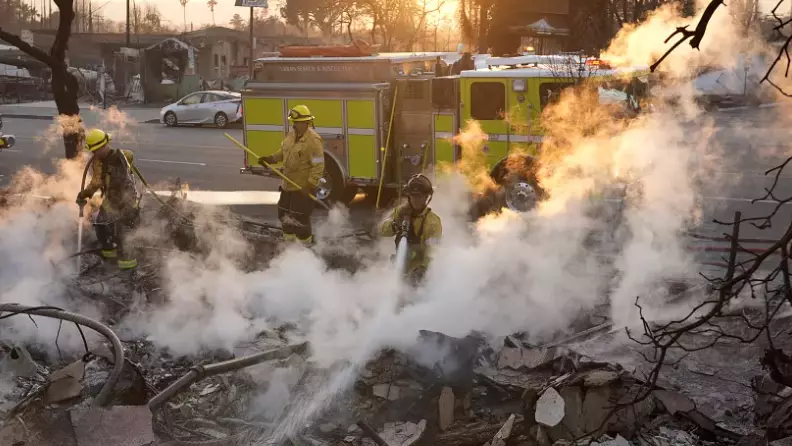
x,y
221,120
170,119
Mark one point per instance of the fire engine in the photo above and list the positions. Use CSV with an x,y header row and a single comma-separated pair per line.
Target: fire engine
x,y
386,117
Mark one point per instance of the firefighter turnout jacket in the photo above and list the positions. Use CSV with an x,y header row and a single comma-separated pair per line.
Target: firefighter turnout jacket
x,y
114,177
426,231
303,159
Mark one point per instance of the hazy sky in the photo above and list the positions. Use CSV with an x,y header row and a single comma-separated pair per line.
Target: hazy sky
x,y
198,12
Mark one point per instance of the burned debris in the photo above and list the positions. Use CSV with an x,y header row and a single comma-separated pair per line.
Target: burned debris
x,y
476,391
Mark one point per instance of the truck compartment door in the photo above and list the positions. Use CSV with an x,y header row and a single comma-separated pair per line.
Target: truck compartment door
x,y
362,139
264,126
484,100
444,130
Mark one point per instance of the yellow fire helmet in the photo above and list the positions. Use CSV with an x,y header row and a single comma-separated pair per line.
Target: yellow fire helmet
x,y
300,113
96,139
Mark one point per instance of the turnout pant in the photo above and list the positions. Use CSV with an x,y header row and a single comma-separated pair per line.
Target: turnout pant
x,y
111,230
294,213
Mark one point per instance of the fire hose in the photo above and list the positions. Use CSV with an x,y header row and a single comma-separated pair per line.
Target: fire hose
x,y
200,372
105,395
278,172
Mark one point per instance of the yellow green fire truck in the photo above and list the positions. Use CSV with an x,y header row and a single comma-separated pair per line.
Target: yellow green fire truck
x,y
387,117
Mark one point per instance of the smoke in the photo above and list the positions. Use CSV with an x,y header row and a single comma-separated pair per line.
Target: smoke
x,y
534,272
38,227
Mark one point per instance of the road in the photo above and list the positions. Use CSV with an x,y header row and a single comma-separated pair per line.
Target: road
x,y
201,157
744,145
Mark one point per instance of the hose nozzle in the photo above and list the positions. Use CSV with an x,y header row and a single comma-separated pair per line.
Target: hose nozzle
x,y
81,204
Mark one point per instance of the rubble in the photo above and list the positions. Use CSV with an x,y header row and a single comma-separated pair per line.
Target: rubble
x,y
66,383
473,392
17,362
445,408
549,408
118,426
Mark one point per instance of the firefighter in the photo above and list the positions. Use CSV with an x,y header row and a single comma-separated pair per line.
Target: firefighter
x,y
302,155
416,221
112,174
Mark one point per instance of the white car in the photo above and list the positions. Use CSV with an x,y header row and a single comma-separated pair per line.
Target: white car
x,y
204,107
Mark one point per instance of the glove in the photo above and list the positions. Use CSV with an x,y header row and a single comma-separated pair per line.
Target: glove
x,y
402,229
266,159
82,197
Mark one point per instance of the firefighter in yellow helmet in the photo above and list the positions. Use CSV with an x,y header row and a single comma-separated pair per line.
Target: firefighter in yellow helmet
x,y
112,174
302,154
416,221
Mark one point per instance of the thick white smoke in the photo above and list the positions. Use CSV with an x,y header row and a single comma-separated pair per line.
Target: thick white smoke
x,y
533,273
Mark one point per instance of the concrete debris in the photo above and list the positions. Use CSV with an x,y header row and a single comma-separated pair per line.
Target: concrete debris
x,y
549,408
65,383
386,391
672,437
470,394
117,426
17,362
403,434
517,357
618,441
599,378
327,428
504,433
674,402
445,408
782,442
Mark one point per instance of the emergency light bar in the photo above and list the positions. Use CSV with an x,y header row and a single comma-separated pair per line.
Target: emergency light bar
x,y
598,63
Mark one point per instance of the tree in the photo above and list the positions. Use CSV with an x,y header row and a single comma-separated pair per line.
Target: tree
x,y
237,22
323,14
64,85
18,14
759,273
211,4
475,31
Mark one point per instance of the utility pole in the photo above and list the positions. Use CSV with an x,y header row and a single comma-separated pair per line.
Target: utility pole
x,y
252,41
127,25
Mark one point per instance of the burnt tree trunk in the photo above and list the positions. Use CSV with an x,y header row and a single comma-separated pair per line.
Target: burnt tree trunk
x,y
65,88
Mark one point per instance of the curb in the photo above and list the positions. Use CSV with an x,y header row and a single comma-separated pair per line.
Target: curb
x,y
43,117
50,118
750,107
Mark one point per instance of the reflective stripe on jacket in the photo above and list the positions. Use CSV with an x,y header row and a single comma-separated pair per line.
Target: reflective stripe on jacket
x,y
427,227
303,159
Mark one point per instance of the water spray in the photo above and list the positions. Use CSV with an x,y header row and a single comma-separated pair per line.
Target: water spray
x,y
81,204
402,248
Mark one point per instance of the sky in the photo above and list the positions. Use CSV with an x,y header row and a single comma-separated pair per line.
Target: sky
x,y
198,12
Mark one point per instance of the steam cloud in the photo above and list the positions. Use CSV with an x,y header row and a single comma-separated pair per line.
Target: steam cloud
x,y
533,273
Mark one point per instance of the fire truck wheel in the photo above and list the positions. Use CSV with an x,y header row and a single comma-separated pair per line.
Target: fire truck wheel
x,y
520,187
331,187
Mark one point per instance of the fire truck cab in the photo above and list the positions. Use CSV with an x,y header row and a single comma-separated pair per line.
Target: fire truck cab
x,y
387,117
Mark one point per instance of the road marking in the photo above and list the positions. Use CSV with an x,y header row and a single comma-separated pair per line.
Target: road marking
x,y
171,162
241,197
744,200
10,150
